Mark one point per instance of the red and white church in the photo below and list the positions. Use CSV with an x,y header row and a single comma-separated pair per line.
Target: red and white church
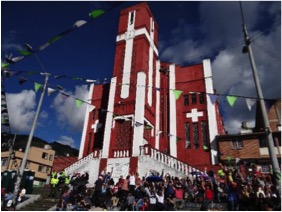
x,y
152,114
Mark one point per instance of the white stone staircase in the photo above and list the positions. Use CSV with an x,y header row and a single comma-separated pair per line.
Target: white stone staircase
x,y
149,159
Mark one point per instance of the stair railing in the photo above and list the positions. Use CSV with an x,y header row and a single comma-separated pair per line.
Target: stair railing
x,y
83,162
167,159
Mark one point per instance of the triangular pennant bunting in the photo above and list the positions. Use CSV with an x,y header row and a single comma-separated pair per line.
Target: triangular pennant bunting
x,y
37,86
231,100
50,91
178,139
250,103
4,65
96,13
138,124
52,40
79,23
22,80
205,147
25,53
148,127
237,160
78,103
177,93
213,98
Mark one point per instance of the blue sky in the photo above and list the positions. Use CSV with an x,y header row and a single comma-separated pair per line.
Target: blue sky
x,y
188,33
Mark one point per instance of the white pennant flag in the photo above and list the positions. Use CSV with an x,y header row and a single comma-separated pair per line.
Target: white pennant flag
x,y
237,160
50,91
250,103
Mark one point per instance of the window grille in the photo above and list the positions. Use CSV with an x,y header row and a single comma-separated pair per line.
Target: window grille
x,y
196,135
186,100
204,132
187,135
194,98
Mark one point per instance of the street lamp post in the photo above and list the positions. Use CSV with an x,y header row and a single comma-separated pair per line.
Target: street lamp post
x,y
20,174
267,129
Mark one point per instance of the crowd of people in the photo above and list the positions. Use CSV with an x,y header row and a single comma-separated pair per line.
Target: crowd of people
x,y
254,192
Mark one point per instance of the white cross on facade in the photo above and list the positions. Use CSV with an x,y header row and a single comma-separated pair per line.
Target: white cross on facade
x,y
95,126
194,115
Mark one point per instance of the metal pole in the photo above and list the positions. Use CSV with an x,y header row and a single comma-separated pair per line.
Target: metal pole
x,y
267,129
20,174
11,150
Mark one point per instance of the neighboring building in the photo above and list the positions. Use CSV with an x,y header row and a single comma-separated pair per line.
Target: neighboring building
x,y
40,161
251,147
140,106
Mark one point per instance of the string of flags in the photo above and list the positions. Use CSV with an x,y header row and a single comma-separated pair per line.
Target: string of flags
x,y
28,50
231,99
78,102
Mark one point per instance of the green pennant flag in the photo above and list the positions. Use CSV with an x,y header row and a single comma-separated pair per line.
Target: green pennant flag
x,y
54,39
5,65
78,103
178,139
231,100
37,86
96,13
205,147
115,115
25,53
148,127
177,93
229,157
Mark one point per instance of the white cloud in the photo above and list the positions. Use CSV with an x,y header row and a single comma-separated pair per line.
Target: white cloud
x,y
67,141
68,115
8,43
21,108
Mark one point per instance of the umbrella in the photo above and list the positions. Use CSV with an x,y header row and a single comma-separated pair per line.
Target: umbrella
x,y
154,179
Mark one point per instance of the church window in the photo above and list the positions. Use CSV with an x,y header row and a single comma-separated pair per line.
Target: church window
x,y
204,132
196,135
131,17
202,98
194,98
237,144
187,135
124,134
186,100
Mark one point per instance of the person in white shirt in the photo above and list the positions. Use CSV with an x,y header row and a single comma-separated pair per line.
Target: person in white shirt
x,y
132,182
160,200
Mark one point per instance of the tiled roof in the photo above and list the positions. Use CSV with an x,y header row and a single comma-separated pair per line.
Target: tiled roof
x,y
61,163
